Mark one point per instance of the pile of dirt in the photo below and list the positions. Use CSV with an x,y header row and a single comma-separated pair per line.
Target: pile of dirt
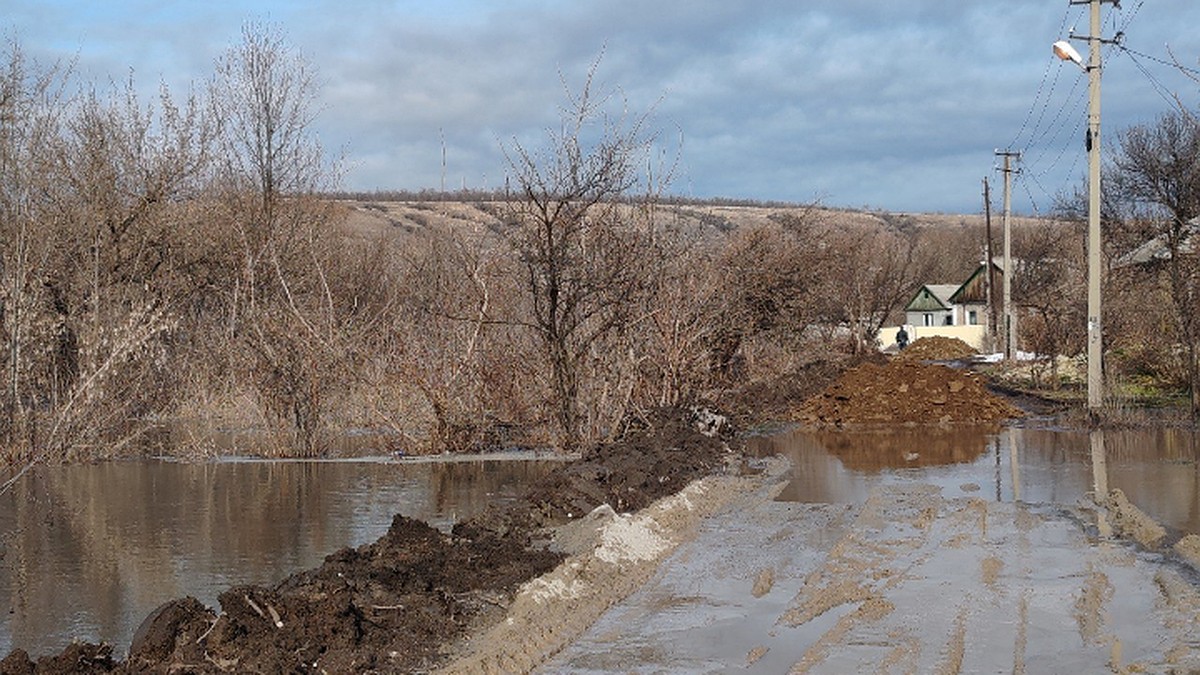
x,y
399,604
937,348
658,457
771,400
905,392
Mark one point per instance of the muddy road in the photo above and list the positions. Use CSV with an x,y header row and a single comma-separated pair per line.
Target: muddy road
x,y
905,582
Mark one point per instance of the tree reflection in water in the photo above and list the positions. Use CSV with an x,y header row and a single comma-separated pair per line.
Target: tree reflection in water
x,y
90,550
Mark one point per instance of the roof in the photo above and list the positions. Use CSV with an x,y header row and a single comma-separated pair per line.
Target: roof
x,y
931,297
1158,249
974,289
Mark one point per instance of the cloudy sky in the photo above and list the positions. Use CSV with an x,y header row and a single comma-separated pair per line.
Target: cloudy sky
x,y
890,105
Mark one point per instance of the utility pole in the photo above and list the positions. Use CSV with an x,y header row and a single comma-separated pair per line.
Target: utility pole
x,y
1095,339
443,136
990,261
1010,268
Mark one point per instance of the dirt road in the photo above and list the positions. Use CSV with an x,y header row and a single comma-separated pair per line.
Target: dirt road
x,y
906,582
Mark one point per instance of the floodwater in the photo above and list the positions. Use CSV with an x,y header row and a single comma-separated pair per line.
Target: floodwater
x,y
1156,468
88,551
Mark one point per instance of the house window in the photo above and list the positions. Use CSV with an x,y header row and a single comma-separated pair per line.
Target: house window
x,y
948,320
928,319
973,318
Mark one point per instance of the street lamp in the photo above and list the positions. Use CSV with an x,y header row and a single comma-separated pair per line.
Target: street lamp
x,y
1064,51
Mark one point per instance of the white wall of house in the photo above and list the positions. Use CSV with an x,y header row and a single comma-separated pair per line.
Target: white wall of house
x,y
941,318
957,315
972,335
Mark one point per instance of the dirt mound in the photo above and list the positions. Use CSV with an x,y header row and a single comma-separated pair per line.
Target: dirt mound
x,y
399,604
936,348
905,392
775,399
664,453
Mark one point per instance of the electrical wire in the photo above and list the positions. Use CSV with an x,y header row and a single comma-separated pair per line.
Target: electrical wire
x,y
1033,201
1041,87
1171,64
1043,160
1129,19
1159,87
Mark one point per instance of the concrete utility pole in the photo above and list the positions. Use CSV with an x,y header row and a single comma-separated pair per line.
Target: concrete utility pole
x,y
1095,340
1010,268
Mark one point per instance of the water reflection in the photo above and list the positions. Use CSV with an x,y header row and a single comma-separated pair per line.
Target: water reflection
x,y
89,550
1156,468
879,450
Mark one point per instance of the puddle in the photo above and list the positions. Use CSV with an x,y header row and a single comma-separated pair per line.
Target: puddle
x,y
1156,468
88,551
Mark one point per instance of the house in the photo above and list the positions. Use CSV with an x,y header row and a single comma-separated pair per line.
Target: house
x,y
951,310
962,304
931,306
1157,250
971,298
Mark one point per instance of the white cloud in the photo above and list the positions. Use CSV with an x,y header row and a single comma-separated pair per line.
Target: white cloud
x,y
897,105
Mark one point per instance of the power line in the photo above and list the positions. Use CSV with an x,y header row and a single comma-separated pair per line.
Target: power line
x,y
1129,19
1159,88
1028,193
1050,136
1171,64
1041,87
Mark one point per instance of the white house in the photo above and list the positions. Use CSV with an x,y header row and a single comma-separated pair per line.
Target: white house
x,y
950,310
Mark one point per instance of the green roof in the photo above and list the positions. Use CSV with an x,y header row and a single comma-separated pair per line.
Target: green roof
x,y
931,298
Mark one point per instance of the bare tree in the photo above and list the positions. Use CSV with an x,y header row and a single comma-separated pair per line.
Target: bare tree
x,y
90,186
442,331
263,97
1158,169
30,113
876,270
770,278
1051,287
571,232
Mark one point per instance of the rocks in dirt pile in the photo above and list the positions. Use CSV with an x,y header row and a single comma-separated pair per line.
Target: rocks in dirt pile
x,y
395,605
936,348
172,632
81,657
905,392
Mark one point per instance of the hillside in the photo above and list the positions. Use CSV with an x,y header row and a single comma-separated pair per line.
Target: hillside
x,y
391,217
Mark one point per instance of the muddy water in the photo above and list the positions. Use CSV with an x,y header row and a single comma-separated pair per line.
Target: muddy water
x,y
1157,469
88,551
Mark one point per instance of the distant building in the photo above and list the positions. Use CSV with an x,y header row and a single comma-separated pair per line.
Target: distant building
x,y
931,306
962,304
953,310
1157,250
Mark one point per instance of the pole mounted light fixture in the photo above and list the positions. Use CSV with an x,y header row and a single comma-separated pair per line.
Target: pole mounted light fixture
x,y
1064,51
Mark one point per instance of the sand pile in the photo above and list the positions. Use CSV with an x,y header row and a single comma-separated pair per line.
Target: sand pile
x,y
906,392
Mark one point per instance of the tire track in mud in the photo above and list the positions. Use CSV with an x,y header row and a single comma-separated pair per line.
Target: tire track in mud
x,y
907,582
971,585
861,565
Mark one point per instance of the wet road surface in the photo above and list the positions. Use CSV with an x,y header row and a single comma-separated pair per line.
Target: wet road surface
x,y
906,581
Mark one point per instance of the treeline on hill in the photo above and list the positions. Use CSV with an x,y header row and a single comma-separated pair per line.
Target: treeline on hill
x,y
181,258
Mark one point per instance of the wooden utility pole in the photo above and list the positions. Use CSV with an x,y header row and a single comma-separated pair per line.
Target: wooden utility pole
x,y
990,261
1010,268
